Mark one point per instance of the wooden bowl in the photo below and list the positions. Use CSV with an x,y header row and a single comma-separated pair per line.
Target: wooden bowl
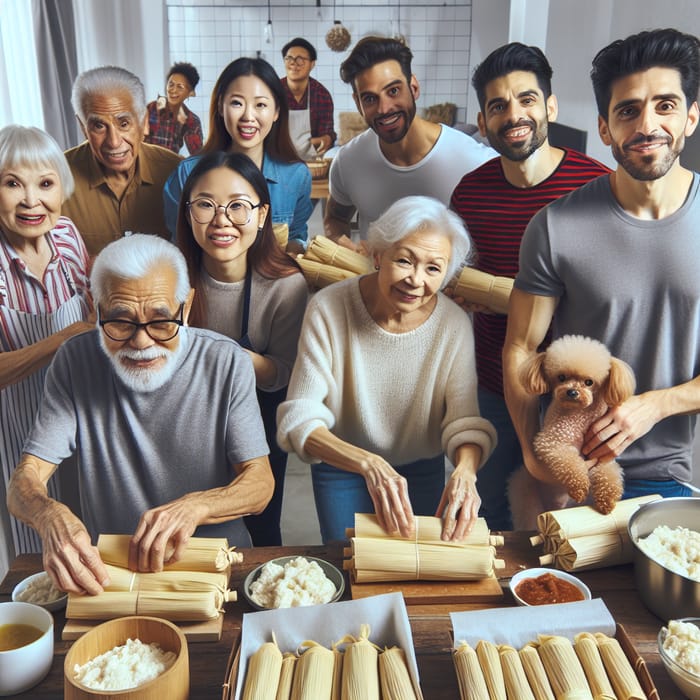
x,y
319,168
173,684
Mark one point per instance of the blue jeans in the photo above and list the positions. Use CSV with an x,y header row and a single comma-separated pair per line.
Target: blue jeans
x,y
492,478
339,494
665,489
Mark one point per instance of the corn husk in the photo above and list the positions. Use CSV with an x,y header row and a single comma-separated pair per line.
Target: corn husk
x,y
174,606
281,231
394,676
263,673
284,688
490,663
401,560
201,554
323,250
586,648
320,275
590,552
477,287
536,675
620,672
563,668
313,675
517,685
470,677
337,686
195,581
360,677
428,530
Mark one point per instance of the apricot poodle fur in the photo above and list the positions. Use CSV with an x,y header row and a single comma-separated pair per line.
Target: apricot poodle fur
x,y
584,380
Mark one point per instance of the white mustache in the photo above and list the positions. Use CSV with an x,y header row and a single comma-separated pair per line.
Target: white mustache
x,y
152,353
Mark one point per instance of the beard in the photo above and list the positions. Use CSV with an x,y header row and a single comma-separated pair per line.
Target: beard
x,y
652,166
141,379
521,150
395,136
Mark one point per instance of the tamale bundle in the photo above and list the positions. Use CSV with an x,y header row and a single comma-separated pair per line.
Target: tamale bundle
x,y
536,675
563,668
313,674
517,685
323,250
320,275
281,231
284,688
201,554
590,552
375,559
477,287
394,677
586,648
470,677
620,672
196,581
180,606
490,663
360,677
428,529
263,673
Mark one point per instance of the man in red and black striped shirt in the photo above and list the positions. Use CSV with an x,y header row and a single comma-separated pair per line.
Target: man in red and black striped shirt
x,y
496,201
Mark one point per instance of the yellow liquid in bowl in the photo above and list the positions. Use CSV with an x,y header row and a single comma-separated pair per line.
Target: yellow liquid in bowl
x,y
14,636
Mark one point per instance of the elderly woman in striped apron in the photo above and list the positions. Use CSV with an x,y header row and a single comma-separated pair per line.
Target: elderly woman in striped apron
x,y
44,296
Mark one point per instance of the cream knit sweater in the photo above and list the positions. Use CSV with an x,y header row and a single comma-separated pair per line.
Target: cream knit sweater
x,y
403,396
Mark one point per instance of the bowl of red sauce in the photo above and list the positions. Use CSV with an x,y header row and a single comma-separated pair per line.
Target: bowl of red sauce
x,y
544,586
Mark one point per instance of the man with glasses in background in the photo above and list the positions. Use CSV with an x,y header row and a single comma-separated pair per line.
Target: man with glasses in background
x,y
163,419
310,104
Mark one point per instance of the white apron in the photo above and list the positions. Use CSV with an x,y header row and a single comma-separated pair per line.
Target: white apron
x,y
300,131
19,402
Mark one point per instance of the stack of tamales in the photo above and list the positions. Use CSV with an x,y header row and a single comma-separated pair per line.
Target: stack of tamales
x,y
192,589
376,556
582,538
594,667
325,262
477,287
353,669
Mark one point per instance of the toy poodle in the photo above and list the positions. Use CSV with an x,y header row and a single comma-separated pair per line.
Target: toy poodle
x,y
584,380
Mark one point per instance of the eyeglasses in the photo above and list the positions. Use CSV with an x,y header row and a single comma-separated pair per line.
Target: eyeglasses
x,y
296,60
159,330
238,211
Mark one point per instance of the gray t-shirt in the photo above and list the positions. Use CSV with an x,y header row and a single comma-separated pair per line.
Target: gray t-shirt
x,y
634,285
138,450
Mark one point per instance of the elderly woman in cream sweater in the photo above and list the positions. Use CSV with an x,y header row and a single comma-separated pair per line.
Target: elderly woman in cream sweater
x,y
384,385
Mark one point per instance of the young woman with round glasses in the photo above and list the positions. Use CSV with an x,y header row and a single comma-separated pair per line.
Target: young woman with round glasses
x,y
246,288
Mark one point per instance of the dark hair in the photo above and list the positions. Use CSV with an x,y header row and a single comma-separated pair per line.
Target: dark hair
x,y
372,50
186,69
665,48
265,256
509,58
298,41
278,143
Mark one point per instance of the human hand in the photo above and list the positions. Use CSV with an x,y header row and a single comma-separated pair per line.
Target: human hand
x,y
459,505
320,144
163,533
467,306
389,493
69,558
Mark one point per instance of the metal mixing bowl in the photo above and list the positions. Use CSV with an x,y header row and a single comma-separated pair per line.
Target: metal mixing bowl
x,y
667,594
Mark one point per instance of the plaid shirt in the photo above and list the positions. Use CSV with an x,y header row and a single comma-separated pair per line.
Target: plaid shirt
x,y
165,130
320,104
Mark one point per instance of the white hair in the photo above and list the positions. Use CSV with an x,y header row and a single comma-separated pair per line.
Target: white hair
x,y
31,147
105,80
414,214
134,257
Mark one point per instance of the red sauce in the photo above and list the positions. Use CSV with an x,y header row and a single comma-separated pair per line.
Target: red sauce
x,y
547,588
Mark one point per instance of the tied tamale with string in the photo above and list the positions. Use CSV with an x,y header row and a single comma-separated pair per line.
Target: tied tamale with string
x,y
168,581
591,552
320,275
360,675
201,554
477,287
323,250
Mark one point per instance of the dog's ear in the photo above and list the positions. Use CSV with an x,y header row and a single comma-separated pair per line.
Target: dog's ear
x,y
532,375
620,383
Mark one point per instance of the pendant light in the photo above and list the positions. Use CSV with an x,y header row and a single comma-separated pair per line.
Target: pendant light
x,y
338,37
267,33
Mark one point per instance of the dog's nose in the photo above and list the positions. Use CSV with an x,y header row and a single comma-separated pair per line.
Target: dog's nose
x,y
572,393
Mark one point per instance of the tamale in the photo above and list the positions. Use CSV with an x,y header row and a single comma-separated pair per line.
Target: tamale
x,y
536,675
490,663
586,648
125,580
470,677
319,275
313,674
563,668
281,231
620,672
337,686
284,688
592,552
263,673
201,554
360,677
517,685
323,250
479,287
394,677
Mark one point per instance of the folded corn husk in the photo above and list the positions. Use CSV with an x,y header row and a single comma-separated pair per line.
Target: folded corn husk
x,y
263,673
168,581
323,250
360,675
586,648
201,554
281,232
320,275
591,552
536,675
563,668
313,674
477,287
517,685
174,606
622,676
394,676
470,677
490,663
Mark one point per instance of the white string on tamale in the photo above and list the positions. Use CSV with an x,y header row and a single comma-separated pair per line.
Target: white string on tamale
x,y
323,250
126,580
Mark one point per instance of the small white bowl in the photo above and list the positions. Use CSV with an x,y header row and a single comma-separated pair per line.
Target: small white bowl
x,y
57,604
24,667
688,683
534,573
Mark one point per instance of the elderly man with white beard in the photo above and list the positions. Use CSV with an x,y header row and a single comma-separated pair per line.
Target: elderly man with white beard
x,y
163,418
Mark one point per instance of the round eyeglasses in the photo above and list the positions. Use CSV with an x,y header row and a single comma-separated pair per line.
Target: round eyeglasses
x,y
158,330
296,60
238,211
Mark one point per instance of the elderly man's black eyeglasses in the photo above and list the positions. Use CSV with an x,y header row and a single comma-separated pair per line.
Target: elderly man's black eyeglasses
x,y
159,330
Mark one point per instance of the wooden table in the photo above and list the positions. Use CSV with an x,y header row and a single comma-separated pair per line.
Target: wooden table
x,y
430,623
